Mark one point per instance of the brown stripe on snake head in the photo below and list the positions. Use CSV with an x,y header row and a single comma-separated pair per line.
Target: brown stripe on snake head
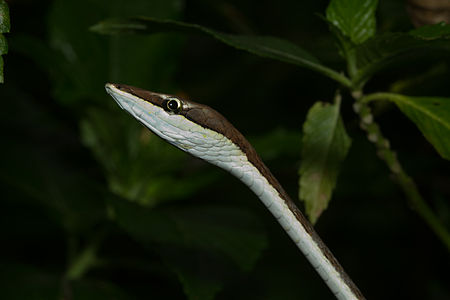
x,y
209,118
151,97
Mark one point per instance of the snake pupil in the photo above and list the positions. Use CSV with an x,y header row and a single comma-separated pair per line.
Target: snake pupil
x,y
173,105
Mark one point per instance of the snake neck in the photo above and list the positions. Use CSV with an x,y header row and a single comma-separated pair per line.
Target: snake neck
x,y
261,181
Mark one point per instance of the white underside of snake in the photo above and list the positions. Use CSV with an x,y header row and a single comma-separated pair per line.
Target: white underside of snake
x,y
175,126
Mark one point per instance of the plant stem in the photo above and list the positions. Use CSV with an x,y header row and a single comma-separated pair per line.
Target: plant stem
x,y
82,263
378,96
385,152
338,77
86,258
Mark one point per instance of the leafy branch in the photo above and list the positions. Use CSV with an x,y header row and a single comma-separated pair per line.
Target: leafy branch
x,y
385,152
353,24
265,46
430,114
364,58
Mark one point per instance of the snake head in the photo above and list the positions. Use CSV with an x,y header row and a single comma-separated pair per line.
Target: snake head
x,y
190,126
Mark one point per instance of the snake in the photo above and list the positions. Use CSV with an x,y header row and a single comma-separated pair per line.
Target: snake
x,y
204,133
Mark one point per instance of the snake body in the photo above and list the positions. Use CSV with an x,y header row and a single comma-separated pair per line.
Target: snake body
x,y
205,133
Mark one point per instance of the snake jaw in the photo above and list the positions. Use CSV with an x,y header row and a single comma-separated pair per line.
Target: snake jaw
x,y
174,128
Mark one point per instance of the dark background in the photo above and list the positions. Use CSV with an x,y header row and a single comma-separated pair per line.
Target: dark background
x,y
77,173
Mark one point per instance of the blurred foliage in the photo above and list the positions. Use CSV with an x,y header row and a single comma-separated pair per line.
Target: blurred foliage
x,y
5,26
95,207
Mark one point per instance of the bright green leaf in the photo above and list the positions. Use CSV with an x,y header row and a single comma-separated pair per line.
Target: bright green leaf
x,y
325,146
432,117
354,18
5,25
265,46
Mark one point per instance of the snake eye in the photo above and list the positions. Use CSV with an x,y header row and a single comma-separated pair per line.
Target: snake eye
x,y
173,105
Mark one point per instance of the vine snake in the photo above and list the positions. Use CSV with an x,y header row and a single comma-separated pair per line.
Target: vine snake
x,y
205,133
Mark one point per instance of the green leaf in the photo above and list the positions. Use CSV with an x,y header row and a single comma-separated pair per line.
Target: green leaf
x,y
389,49
325,146
354,18
431,32
430,114
3,45
5,25
265,46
